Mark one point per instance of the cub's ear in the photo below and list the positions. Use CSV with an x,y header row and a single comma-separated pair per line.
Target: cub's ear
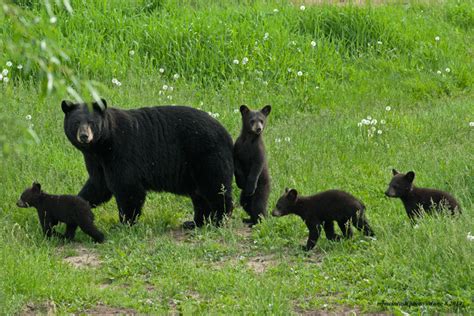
x,y
410,176
36,186
67,106
100,105
292,194
244,109
286,190
266,110
395,172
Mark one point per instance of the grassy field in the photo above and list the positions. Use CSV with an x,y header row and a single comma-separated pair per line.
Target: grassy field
x,y
324,69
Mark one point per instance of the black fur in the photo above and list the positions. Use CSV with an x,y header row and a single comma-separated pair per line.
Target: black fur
x,y
250,163
175,149
322,209
69,209
419,200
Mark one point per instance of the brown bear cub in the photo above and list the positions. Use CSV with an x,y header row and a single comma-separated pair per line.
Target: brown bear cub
x,y
419,200
69,209
322,209
250,164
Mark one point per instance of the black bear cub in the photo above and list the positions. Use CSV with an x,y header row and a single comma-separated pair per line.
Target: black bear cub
x,y
322,209
419,200
250,164
69,209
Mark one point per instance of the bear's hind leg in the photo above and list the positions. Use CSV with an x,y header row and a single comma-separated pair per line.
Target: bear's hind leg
x,y
329,230
70,231
360,222
90,229
130,203
201,212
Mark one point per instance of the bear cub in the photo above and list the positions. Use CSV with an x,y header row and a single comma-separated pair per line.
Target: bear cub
x,y
323,209
250,164
419,200
69,209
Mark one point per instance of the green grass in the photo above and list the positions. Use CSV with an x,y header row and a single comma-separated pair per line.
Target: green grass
x,y
313,143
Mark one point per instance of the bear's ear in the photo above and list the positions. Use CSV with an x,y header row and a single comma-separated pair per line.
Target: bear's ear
x,y
286,190
36,186
395,172
100,105
292,194
67,106
410,176
244,109
266,110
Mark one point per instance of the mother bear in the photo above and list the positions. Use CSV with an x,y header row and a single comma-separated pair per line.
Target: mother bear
x,y
175,149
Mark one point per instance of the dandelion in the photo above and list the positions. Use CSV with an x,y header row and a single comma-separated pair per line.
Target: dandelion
x,y
236,111
379,132
365,122
439,72
382,122
373,122
302,8
6,79
176,76
388,108
290,70
1,77
313,43
245,60
447,70
19,67
470,237
369,118
277,140
265,36
131,53
236,61
165,87
379,42
5,72
471,124
437,38
275,10
28,117
161,70
116,82
287,139
43,45
9,64
53,20
300,73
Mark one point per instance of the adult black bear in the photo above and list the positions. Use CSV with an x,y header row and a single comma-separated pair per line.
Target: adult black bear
x,y
419,200
175,149
251,169
322,209
69,209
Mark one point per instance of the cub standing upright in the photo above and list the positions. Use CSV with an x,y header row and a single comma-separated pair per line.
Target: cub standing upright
x,y
250,164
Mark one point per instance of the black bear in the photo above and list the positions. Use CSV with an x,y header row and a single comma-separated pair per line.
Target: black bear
x,y
175,149
322,209
419,200
250,163
69,209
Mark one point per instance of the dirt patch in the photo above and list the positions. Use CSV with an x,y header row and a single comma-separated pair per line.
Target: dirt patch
x,y
85,258
101,309
260,264
47,308
180,235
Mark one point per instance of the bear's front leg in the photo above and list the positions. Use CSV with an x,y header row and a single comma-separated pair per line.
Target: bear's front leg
x,y
314,232
95,190
239,174
252,179
130,201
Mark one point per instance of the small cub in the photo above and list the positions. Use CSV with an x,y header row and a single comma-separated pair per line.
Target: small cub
x,y
69,209
419,200
250,163
322,209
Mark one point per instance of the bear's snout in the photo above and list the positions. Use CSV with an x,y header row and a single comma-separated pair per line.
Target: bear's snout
x,y
20,203
276,213
84,134
390,193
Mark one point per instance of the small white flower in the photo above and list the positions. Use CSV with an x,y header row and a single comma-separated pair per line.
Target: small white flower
x,y
5,72
131,53
116,82
19,67
300,73
162,70
236,111
439,72
1,77
302,8
365,122
171,89
277,140
245,60
236,61
313,43
471,124
28,117
165,87
293,43
290,70
470,237
388,108
437,38
275,10
373,122
369,118
265,36
379,132
6,79
287,139
43,45
176,76
382,122
447,70
9,64
379,42
325,305
53,20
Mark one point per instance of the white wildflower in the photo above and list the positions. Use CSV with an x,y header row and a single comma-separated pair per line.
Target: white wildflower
x,y
265,36
369,118
176,76
300,73
379,42
6,79
470,237
53,20
165,87
245,60
236,61
236,111
388,108
373,122
313,43
28,117
5,72
382,122
171,89
275,10
162,70
287,139
277,140
1,77
43,45
302,8
19,67
471,124
379,132
116,82
447,70
437,38
9,64
290,70
131,53
439,72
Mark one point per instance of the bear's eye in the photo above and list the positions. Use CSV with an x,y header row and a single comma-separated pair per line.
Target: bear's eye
x,y
252,121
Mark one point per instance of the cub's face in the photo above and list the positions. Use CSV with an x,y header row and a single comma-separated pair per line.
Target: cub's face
x,y
254,121
83,124
401,184
285,203
29,196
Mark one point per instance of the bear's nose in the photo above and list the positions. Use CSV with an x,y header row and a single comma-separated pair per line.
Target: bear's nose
x,y
83,138
259,130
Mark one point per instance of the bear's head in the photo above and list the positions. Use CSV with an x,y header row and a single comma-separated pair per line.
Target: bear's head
x,y
84,123
401,184
286,203
30,197
254,121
